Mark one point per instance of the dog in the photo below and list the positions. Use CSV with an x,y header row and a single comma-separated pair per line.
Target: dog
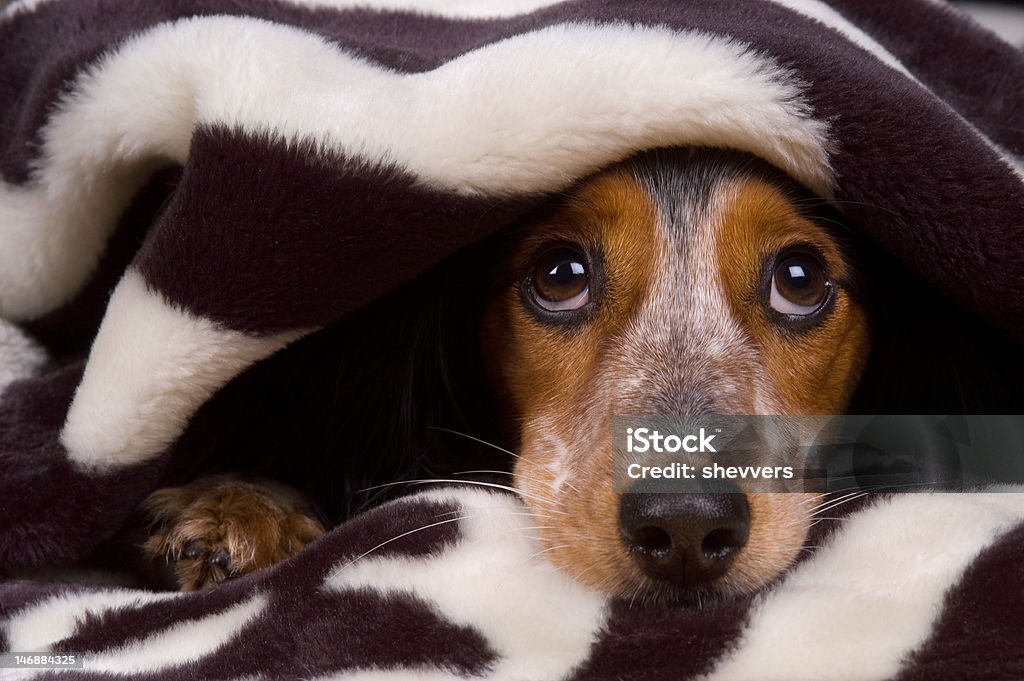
x,y
679,281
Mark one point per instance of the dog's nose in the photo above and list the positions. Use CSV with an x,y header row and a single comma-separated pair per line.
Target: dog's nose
x,y
685,539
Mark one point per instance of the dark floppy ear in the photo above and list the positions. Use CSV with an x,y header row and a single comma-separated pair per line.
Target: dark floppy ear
x,y
167,504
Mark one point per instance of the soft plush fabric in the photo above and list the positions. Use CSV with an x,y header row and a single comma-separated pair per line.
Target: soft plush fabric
x,y
449,584
323,153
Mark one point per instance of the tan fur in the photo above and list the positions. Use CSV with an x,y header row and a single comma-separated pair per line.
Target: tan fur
x,y
249,525
562,387
547,375
814,372
810,373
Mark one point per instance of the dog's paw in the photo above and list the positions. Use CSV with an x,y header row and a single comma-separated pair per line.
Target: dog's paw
x,y
216,529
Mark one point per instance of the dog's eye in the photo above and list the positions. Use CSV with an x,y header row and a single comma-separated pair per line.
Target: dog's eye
x,y
799,284
560,279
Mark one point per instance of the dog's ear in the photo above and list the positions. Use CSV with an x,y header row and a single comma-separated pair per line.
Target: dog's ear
x,y
299,529
167,504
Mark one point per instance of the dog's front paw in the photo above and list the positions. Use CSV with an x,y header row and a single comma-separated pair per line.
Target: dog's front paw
x,y
220,528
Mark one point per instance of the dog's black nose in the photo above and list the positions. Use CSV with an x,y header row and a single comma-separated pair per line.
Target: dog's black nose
x,y
684,539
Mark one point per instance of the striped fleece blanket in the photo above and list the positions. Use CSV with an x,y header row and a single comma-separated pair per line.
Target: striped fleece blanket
x,y
322,153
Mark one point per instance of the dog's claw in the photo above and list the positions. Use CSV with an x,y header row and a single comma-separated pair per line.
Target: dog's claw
x,y
221,558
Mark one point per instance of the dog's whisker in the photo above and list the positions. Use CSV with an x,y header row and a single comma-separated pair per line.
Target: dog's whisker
x,y
522,531
837,504
400,536
604,583
537,554
817,499
903,485
524,514
476,439
521,475
478,483
828,501
637,590
810,548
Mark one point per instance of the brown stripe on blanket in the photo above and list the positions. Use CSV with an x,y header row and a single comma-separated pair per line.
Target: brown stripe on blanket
x,y
981,77
66,511
284,236
678,643
979,634
903,203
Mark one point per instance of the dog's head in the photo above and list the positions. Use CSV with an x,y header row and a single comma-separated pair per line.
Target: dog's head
x,y
680,282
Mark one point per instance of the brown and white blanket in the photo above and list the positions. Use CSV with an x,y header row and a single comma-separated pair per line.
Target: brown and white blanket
x,y
324,152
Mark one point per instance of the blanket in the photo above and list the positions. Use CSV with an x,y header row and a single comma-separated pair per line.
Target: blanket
x,y
450,584
190,187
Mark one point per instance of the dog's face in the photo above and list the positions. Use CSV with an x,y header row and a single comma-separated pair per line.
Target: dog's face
x,y
684,282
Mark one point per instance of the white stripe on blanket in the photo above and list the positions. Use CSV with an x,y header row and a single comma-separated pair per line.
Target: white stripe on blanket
x,y
870,596
466,9
151,367
497,567
546,121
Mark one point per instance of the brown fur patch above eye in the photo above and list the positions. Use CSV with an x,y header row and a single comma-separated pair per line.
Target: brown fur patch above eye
x,y
531,362
812,370
548,374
